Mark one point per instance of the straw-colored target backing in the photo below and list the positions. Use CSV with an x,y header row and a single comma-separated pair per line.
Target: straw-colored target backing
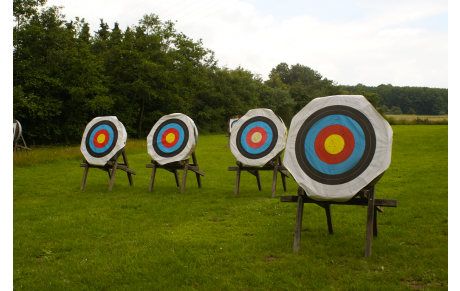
x,y
336,146
173,138
104,138
258,137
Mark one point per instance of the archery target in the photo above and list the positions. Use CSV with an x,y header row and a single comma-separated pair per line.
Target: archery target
x,y
337,145
17,130
258,137
104,138
231,123
173,138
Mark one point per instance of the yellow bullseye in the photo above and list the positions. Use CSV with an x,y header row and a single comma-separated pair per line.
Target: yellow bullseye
x,y
334,144
256,137
101,138
170,138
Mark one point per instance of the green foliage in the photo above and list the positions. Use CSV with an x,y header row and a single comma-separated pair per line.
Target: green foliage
x,y
395,110
411,111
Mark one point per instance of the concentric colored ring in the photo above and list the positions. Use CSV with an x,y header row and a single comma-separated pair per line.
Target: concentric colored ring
x,y
356,155
257,137
101,148
233,123
170,138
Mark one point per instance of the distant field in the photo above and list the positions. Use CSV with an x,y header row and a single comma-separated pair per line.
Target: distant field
x,y
411,117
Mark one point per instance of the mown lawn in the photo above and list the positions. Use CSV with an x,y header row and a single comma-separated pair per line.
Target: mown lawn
x,y
207,239
411,117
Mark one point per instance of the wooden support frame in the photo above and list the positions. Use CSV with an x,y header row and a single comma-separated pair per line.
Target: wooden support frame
x,y
17,146
365,197
276,166
110,167
174,167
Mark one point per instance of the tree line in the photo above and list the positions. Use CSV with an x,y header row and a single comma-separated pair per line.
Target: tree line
x,y
64,76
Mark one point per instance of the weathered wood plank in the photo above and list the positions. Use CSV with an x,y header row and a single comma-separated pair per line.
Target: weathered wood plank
x,y
298,224
370,223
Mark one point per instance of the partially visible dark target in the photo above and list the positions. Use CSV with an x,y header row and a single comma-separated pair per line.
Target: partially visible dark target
x,y
170,138
257,137
101,138
335,145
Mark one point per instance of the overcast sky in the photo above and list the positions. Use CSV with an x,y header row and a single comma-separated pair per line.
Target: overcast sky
x,y
401,42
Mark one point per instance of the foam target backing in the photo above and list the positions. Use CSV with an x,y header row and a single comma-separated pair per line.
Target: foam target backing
x,y
336,146
103,139
258,137
173,138
231,123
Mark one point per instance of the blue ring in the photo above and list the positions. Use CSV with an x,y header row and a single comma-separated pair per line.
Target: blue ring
x,y
109,143
267,143
331,169
179,142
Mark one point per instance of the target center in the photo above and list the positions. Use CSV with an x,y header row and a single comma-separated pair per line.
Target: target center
x,y
101,138
334,144
256,137
170,137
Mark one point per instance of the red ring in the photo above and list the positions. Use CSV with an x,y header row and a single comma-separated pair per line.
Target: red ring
x,y
165,134
99,132
261,142
347,136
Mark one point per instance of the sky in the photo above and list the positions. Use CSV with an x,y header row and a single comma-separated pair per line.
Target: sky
x,y
403,43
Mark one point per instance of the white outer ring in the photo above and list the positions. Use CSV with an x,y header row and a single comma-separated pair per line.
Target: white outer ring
x,y
280,143
379,164
189,148
18,128
121,142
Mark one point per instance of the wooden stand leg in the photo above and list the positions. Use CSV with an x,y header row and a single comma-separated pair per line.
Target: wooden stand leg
x,y
152,178
176,176
327,207
112,178
376,231
130,178
298,224
25,145
85,174
275,175
370,223
228,141
259,184
283,178
15,148
184,177
237,184
198,176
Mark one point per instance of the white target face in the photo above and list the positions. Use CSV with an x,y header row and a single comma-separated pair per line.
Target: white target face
x,y
173,138
17,130
231,123
258,137
104,137
337,145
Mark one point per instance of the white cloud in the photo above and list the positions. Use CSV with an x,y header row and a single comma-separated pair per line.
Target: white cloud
x,y
373,49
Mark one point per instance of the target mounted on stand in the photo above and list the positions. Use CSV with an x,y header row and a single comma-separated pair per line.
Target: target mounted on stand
x,y
104,139
258,137
173,138
17,130
232,121
337,145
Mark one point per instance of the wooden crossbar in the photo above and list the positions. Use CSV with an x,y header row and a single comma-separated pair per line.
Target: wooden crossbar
x,y
365,197
174,167
110,167
275,166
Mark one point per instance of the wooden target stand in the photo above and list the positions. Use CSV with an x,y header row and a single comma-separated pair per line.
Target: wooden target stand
x,y
364,197
17,146
275,165
110,167
174,167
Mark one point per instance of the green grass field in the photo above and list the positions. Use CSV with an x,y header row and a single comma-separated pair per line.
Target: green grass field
x,y
207,239
411,117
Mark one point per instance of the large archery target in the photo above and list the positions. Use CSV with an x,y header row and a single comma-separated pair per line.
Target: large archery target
x,y
337,145
173,138
104,138
258,137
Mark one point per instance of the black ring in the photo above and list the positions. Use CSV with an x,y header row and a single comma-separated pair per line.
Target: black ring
x,y
184,143
114,142
270,147
359,168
